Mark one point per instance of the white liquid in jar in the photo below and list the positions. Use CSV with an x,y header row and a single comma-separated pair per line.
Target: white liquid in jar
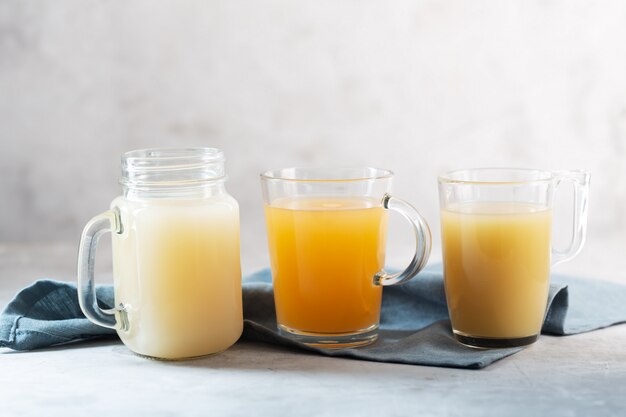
x,y
177,272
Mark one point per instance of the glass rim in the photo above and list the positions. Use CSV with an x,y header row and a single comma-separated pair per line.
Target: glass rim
x,y
531,176
203,154
172,167
331,174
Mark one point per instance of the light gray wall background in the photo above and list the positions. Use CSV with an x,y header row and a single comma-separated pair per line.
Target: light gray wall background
x,y
419,87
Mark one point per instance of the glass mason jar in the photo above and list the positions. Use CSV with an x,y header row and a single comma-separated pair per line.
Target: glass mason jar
x,y
176,265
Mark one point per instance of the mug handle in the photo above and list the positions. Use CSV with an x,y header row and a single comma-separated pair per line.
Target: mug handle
x,y
109,221
422,242
580,181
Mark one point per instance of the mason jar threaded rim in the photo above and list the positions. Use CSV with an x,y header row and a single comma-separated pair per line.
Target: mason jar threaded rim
x,y
172,167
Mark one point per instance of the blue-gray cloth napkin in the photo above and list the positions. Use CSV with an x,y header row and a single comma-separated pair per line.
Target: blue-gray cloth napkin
x,y
414,324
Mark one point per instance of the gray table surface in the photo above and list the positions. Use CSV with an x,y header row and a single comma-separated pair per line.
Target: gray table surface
x,y
583,375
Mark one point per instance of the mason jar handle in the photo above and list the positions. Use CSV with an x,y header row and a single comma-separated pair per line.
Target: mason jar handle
x,y
580,181
109,221
422,242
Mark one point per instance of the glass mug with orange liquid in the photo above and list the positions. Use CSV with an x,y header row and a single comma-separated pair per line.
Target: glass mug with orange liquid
x,y
176,267
327,234
496,227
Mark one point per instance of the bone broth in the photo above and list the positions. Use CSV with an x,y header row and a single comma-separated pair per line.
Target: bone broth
x,y
177,272
325,253
496,265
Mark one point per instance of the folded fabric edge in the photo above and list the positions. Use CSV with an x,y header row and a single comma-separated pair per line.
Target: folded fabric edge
x,y
22,305
23,348
554,321
256,332
8,339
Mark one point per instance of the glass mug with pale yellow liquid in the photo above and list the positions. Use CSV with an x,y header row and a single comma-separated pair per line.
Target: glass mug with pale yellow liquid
x,y
496,227
176,267
327,234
